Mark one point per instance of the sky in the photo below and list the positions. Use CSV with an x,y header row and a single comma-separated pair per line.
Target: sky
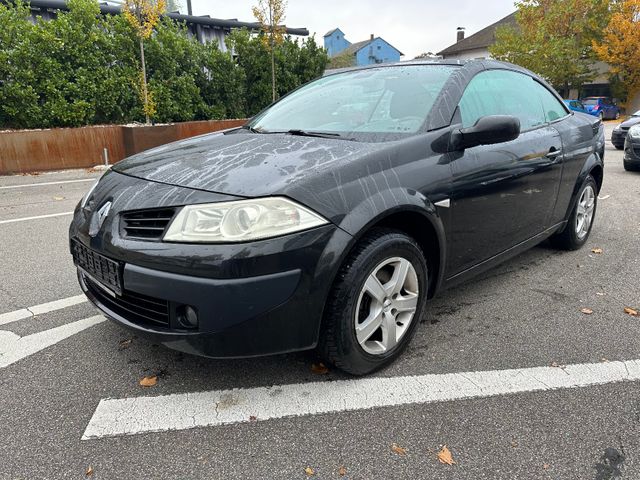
x,y
412,26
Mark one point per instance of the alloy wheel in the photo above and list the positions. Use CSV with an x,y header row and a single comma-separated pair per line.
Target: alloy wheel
x,y
386,306
586,209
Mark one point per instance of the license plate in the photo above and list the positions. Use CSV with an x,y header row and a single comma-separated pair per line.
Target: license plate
x,y
100,269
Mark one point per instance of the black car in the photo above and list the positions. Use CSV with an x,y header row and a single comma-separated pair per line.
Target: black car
x,y
331,218
632,149
619,134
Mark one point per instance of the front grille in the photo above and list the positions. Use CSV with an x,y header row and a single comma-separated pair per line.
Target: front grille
x,y
101,268
134,307
146,224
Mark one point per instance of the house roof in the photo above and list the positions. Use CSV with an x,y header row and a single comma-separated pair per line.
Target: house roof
x,y
331,32
356,47
193,19
482,39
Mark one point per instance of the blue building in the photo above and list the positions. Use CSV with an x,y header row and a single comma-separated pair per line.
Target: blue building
x,y
368,52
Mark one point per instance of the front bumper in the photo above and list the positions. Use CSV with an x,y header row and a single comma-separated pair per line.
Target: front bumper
x,y
618,138
251,299
632,153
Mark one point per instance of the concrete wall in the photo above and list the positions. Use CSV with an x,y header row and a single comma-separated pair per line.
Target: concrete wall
x,y
470,54
378,51
24,151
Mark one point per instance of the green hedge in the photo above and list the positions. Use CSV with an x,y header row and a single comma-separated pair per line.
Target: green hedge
x,y
82,69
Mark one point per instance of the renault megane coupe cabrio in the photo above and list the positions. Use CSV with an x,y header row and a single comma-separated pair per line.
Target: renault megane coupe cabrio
x,y
331,218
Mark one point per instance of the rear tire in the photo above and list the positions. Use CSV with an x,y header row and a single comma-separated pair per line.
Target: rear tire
x,y
375,304
577,230
619,147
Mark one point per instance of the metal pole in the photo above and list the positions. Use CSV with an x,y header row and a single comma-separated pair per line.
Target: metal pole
x,y
106,157
189,10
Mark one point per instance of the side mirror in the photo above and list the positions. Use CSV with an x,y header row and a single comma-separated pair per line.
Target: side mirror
x,y
488,130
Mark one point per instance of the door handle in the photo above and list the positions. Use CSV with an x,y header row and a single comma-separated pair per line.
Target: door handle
x,y
554,153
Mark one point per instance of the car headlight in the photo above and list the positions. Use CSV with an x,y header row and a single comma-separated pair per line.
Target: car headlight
x,y
618,128
241,221
85,199
634,132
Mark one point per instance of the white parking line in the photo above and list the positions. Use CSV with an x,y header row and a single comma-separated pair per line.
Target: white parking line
x,y
14,348
25,219
131,416
41,309
42,184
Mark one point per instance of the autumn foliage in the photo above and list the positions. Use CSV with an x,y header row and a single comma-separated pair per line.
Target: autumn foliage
x,y
620,45
554,39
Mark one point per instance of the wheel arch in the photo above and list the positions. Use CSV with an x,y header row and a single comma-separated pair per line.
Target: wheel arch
x,y
420,223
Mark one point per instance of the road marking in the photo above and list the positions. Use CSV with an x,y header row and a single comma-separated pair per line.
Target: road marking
x,y
29,185
14,348
130,416
41,309
25,219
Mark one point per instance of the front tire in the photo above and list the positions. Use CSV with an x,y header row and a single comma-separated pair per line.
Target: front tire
x,y
376,303
576,233
629,167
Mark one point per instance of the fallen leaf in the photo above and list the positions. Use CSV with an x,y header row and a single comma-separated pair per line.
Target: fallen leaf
x,y
57,199
253,418
319,369
124,344
89,471
444,456
546,466
342,471
597,251
557,365
514,444
149,381
604,360
587,311
398,449
309,471
631,311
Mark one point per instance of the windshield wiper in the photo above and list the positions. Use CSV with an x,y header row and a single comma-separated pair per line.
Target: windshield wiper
x,y
307,133
250,128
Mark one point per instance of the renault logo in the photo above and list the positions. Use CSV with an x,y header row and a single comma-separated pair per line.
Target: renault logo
x,y
98,219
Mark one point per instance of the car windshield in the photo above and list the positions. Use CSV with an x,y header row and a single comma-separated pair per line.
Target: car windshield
x,y
590,101
385,100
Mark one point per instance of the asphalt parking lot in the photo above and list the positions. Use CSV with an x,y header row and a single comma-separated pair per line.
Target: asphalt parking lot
x,y
530,386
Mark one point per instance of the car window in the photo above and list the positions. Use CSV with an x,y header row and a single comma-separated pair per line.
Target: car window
x,y
574,104
580,105
553,108
379,100
502,92
590,101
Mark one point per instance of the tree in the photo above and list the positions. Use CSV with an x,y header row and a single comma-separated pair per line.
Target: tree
x,y
298,63
175,6
270,14
342,60
554,39
620,46
144,15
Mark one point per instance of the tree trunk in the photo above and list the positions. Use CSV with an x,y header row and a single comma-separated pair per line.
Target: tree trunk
x,y
273,69
144,84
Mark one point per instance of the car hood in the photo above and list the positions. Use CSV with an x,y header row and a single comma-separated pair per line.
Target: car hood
x,y
242,164
630,122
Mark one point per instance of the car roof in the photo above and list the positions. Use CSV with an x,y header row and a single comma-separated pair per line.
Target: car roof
x,y
486,63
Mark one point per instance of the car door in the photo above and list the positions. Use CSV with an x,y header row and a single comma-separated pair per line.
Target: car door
x,y
503,194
